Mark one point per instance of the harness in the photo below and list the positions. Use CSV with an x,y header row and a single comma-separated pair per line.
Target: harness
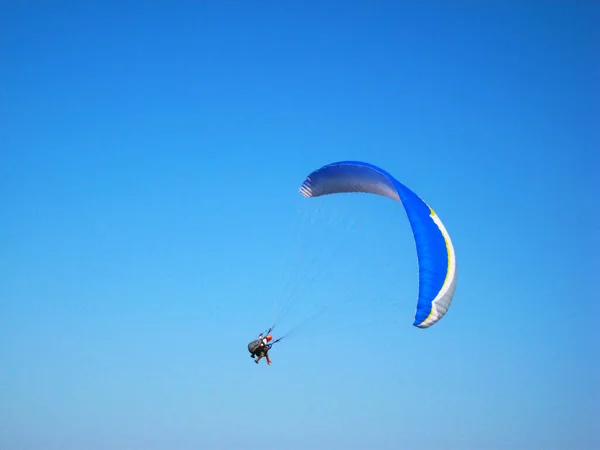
x,y
254,347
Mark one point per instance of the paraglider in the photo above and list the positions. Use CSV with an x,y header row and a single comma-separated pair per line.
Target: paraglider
x,y
435,251
259,348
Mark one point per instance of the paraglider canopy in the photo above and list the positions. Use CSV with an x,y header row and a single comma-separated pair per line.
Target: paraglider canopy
x,y
435,251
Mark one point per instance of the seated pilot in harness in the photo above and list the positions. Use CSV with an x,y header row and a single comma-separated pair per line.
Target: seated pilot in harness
x,y
260,347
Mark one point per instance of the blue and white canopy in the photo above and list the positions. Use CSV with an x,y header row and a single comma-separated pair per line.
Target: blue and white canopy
x,y
435,252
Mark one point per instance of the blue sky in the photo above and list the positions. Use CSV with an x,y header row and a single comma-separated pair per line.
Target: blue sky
x,y
151,155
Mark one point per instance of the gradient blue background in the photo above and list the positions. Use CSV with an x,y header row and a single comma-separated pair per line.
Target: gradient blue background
x,y
151,154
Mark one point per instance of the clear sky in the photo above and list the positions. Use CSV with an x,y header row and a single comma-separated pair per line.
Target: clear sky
x,y
151,154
